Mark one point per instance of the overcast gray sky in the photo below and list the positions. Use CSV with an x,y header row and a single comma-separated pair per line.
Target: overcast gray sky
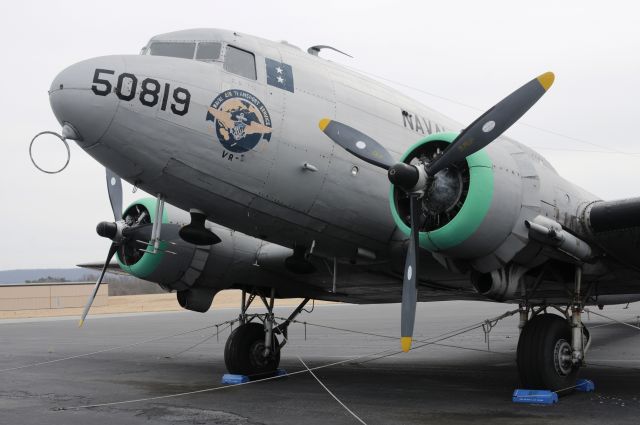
x,y
471,52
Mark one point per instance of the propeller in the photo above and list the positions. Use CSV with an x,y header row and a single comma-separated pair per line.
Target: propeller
x,y
416,180
114,188
109,230
357,143
112,250
488,126
410,279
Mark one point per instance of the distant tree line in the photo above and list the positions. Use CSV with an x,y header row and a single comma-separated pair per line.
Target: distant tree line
x,y
48,279
118,284
126,285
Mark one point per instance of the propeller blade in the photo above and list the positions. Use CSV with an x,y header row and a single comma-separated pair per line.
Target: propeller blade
x,y
114,187
112,250
410,282
358,143
493,123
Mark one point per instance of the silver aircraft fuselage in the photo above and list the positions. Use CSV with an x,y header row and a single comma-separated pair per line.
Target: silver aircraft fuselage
x,y
293,186
290,152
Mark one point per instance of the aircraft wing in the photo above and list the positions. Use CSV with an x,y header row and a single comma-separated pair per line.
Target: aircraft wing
x,y
615,227
113,267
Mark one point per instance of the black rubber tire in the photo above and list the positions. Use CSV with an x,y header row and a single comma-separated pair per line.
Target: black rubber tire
x,y
536,352
243,351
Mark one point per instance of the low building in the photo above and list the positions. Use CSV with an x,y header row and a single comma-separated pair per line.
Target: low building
x,y
41,296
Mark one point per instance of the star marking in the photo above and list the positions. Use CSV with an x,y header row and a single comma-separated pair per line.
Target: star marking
x,y
279,70
280,80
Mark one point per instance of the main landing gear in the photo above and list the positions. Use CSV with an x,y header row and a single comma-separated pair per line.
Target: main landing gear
x,y
551,348
253,348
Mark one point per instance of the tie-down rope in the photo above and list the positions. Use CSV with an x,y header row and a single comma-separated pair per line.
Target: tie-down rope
x,y
228,322
374,356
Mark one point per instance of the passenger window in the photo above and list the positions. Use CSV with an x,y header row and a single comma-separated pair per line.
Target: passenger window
x,y
208,51
240,62
175,50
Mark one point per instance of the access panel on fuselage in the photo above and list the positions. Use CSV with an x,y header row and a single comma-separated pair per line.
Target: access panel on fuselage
x,y
302,151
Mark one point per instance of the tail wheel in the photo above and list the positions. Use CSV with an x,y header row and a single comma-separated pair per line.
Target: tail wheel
x,y
544,354
244,353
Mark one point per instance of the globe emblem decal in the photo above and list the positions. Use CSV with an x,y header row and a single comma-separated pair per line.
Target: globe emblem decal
x,y
240,120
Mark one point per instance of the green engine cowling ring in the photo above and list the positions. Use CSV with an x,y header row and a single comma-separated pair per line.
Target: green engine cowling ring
x,y
149,262
472,213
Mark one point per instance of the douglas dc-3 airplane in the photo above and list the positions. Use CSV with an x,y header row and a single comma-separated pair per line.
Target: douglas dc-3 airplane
x,y
335,187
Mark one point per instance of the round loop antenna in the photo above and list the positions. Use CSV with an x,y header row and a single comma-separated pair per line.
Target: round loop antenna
x,y
66,145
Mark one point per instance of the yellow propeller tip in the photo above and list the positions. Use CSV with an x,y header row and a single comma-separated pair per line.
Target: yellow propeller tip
x,y
324,123
405,341
546,80
80,323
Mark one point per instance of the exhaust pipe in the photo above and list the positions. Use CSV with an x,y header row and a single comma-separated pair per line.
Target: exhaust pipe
x,y
549,232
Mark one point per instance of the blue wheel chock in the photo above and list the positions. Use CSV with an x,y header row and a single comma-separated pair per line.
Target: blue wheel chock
x,y
585,386
534,396
549,397
233,379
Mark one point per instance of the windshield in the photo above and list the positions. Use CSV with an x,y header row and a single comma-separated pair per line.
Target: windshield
x,y
173,49
208,51
240,62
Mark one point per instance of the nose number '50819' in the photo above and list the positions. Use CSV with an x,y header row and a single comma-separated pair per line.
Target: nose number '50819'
x,y
150,93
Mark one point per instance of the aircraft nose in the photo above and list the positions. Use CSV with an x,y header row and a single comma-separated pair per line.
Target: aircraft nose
x,y
82,96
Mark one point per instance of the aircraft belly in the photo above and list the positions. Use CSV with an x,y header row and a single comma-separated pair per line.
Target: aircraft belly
x,y
359,283
241,210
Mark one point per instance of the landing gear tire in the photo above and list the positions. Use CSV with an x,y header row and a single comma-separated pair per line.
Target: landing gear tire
x,y
244,352
544,354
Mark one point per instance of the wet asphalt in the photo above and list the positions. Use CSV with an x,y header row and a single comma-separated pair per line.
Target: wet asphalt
x,y
457,382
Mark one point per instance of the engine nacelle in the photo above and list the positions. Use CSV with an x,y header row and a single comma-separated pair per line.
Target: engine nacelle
x,y
165,268
196,299
197,273
470,210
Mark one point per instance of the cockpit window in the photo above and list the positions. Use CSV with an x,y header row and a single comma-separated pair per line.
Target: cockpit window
x,y
240,62
208,51
175,50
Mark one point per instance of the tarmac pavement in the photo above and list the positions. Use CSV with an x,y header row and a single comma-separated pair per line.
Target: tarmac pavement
x,y
459,382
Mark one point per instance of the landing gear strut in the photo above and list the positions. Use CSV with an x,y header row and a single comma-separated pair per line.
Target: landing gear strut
x,y
253,349
551,348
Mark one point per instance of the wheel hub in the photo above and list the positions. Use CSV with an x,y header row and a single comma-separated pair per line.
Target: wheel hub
x,y
257,354
562,358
